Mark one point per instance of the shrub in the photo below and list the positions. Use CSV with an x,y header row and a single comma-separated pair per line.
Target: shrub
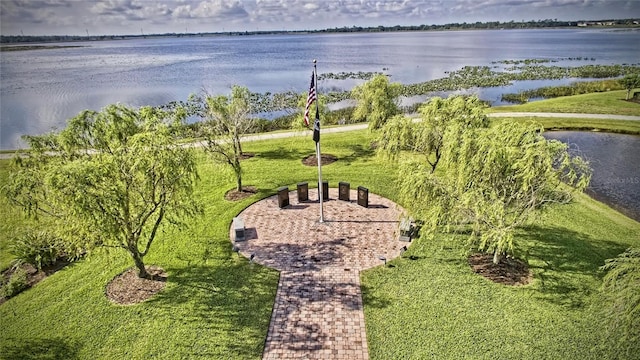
x,y
39,249
16,283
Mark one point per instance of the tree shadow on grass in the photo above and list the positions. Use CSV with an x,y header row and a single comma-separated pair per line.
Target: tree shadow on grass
x,y
230,302
39,348
373,299
360,152
564,261
281,153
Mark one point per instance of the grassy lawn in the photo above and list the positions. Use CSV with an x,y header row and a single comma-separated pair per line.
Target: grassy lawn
x,y
611,102
13,220
215,305
218,306
614,126
435,307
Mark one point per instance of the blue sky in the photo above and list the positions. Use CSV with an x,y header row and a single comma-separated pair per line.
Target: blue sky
x,y
107,17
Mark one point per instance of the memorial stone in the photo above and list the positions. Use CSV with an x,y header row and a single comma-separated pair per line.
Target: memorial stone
x,y
325,190
238,227
363,196
343,191
303,191
283,197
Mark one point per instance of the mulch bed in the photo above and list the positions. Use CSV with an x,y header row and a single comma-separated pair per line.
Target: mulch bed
x,y
34,275
510,271
127,288
325,159
234,195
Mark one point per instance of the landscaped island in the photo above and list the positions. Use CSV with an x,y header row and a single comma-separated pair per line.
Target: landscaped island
x,y
429,304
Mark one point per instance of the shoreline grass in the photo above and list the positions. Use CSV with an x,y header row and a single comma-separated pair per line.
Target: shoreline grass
x,y
611,102
631,127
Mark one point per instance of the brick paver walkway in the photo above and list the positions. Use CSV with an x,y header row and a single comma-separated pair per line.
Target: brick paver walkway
x,y
318,309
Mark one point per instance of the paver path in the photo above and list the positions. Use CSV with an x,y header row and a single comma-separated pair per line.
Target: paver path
x,y
318,309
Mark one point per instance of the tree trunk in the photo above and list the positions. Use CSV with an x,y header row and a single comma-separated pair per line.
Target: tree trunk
x,y
142,271
628,92
237,169
497,257
239,183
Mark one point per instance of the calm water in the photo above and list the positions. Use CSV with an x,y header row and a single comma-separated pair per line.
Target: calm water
x,y
615,160
41,89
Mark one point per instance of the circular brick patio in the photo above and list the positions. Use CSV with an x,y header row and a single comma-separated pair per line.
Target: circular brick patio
x,y
318,308
292,238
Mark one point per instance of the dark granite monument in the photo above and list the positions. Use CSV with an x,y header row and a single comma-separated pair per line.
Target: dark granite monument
x,y
303,191
363,196
283,197
343,191
325,191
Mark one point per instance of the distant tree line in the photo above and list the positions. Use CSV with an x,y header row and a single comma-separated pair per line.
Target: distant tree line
x,y
531,24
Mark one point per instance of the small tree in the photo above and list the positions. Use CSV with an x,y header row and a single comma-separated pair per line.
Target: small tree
x,y
630,82
442,120
377,101
494,179
110,178
621,292
226,121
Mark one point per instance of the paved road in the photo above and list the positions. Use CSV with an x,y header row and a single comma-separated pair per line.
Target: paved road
x,y
338,129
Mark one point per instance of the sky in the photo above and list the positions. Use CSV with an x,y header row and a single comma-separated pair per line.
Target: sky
x,y
121,17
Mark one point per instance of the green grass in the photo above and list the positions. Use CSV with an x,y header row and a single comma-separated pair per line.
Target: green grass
x,y
611,102
435,307
13,221
613,126
217,305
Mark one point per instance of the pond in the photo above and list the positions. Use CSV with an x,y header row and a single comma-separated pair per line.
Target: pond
x,y
615,159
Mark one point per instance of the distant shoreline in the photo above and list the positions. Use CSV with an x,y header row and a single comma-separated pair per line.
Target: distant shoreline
x,y
615,24
35,47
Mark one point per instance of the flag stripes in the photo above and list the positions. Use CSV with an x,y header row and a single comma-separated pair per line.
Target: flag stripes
x,y
310,99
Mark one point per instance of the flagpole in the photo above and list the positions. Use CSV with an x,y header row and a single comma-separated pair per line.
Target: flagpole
x,y
318,153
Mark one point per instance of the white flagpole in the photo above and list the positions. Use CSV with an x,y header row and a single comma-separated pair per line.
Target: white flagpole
x,y
318,153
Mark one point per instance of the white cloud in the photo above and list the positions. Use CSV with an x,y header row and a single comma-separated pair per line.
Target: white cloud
x,y
129,16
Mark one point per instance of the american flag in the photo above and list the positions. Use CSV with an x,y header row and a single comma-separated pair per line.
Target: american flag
x,y
310,99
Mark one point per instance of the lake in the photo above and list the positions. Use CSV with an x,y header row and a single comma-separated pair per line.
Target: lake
x,y
41,89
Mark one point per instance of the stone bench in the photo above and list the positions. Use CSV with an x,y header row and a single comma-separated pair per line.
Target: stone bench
x,y
238,228
406,229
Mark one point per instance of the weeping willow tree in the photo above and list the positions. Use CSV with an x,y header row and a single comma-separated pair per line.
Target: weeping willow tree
x,y
621,295
491,179
111,178
630,82
377,101
226,120
441,120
